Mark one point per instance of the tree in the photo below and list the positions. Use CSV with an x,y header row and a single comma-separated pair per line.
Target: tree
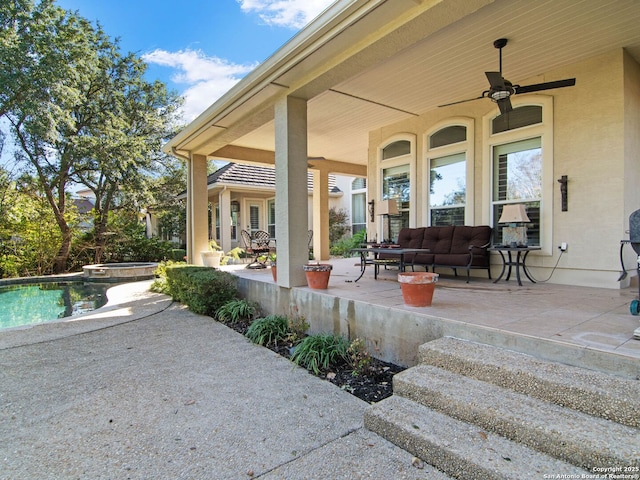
x,y
338,224
79,110
120,152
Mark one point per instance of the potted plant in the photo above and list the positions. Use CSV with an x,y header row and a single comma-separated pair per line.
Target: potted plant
x,y
212,256
271,258
417,288
318,274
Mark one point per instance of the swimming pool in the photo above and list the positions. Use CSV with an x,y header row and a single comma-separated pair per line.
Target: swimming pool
x,y
22,305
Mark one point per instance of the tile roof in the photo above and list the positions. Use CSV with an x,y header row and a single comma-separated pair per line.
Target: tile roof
x,y
256,176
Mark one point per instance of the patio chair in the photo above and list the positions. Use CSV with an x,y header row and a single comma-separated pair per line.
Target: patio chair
x,y
634,241
257,246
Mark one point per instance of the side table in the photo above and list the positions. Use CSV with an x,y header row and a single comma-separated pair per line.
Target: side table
x,y
509,261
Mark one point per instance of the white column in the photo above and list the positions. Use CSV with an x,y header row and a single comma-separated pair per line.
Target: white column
x,y
291,188
320,215
197,211
224,202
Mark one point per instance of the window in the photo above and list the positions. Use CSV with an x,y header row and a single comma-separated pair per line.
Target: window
x,y
517,118
396,185
518,167
448,136
449,175
358,205
234,222
517,178
254,217
271,218
447,190
397,166
396,149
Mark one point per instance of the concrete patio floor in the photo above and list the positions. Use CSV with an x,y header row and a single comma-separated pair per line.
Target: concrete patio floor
x,y
595,319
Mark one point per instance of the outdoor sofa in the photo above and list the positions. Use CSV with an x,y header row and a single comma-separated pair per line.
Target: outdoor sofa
x,y
456,246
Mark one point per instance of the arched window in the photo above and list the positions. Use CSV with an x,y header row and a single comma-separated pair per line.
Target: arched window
x,y
447,154
397,165
521,161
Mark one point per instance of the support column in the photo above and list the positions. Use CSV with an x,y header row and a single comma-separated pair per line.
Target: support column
x,y
291,188
197,211
320,215
224,206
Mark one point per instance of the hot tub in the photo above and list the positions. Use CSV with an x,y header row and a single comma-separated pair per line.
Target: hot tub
x,y
119,272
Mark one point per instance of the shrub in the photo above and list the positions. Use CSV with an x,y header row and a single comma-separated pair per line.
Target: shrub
x,y
343,246
160,284
235,310
298,327
204,290
269,330
177,254
320,353
358,357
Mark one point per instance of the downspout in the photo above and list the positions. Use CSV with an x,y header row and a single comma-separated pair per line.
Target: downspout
x,y
174,152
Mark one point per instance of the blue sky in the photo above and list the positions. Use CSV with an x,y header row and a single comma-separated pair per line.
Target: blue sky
x,y
199,48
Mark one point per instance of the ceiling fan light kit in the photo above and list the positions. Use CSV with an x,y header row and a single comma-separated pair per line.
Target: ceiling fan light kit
x,y
501,90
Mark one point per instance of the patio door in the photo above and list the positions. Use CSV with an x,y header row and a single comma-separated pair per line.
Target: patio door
x,y
255,217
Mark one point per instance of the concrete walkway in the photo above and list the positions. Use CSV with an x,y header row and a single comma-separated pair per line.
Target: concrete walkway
x,y
145,389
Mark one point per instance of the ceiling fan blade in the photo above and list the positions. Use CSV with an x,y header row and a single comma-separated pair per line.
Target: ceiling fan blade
x,y
569,82
495,80
504,105
462,101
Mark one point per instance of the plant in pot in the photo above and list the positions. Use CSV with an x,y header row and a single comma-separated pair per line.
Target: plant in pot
x,y
271,258
318,274
212,256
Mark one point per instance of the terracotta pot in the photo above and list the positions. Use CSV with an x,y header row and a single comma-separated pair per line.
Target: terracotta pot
x,y
417,288
318,275
274,273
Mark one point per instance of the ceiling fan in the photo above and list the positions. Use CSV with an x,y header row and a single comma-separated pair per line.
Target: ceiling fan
x,y
501,89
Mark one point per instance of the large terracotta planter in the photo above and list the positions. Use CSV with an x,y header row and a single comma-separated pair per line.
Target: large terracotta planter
x,y
274,272
417,288
318,275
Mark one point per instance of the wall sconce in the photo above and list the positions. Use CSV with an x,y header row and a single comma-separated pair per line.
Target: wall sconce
x,y
563,180
513,214
372,210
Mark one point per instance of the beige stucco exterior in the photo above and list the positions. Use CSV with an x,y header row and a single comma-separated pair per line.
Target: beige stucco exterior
x,y
367,72
595,143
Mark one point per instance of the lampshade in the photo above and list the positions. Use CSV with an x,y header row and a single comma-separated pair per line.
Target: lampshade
x,y
515,213
388,207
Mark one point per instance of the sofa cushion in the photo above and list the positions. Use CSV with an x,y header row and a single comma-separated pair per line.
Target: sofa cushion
x,y
437,239
411,237
421,258
465,236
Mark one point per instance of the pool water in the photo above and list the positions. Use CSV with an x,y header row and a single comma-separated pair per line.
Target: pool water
x,y
22,305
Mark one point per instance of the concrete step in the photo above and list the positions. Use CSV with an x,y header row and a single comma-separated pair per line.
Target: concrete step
x,y
459,449
585,441
591,392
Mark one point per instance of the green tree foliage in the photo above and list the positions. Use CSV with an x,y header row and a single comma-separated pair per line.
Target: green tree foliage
x,y
27,243
80,111
338,224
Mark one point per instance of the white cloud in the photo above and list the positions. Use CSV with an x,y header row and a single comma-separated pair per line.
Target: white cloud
x,y
285,13
206,78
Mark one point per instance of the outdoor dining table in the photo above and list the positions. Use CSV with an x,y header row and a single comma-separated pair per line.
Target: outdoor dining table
x,y
376,262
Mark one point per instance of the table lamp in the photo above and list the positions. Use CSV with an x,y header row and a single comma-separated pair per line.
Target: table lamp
x,y
513,215
387,208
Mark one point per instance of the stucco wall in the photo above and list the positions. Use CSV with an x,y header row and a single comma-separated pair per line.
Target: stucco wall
x,y
596,144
